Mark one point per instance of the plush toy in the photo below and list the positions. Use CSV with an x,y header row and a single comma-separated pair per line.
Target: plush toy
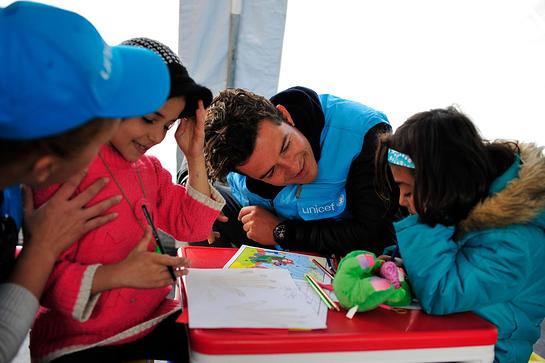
x,y
365,281
392,273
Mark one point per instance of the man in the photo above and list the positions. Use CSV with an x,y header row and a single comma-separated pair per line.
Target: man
x,y
301,172
62,92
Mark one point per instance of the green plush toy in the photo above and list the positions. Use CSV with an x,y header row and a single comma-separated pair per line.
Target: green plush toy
x,y
366,281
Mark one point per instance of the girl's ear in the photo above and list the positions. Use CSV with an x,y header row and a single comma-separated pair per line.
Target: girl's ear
x,y
285,114
43,168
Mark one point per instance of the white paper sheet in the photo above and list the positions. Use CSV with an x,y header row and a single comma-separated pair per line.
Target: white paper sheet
x,y
296,263
247,298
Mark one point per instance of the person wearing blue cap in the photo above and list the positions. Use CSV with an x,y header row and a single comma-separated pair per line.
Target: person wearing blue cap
x,y
62,92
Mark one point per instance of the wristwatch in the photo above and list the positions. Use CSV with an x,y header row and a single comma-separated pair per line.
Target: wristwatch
x,y
280,232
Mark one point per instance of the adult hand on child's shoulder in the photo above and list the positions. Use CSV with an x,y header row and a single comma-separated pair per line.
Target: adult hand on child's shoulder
x,y
64,218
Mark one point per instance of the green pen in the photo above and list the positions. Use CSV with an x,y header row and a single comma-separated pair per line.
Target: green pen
x,y
158,244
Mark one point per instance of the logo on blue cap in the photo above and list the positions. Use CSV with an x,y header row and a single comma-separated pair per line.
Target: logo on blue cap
x,y
57,73
107,62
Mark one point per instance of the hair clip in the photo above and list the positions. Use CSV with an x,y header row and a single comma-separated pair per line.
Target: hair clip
x,y
397,158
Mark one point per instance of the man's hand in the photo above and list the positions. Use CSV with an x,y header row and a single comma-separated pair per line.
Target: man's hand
x,y
258,223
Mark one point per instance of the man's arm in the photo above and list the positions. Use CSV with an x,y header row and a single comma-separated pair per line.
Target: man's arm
x,y
371,226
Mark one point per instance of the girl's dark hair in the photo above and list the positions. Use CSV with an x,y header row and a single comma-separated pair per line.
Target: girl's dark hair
x,y
181,84
454,166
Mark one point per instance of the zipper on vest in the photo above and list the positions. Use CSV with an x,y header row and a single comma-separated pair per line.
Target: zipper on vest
x,y
297,195
298,191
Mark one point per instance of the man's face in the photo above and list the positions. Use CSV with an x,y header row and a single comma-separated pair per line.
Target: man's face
x,y
282,156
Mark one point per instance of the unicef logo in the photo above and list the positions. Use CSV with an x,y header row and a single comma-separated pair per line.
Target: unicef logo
x,y
328,209
340,201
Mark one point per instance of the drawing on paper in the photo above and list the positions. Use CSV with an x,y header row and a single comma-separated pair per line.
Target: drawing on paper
x,y
297,264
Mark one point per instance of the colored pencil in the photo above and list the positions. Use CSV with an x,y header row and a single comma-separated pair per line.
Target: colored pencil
x,y
322,268
324,295
317,291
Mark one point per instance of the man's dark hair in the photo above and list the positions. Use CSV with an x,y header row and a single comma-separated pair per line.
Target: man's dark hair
x,y
454,166
232,122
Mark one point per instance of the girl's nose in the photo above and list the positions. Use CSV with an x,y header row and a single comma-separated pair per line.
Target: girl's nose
x,y
157,135
403,200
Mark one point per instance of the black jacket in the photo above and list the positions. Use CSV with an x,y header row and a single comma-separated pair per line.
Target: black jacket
x,y
370,228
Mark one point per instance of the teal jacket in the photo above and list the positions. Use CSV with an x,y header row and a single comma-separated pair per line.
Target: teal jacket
x,y
494,265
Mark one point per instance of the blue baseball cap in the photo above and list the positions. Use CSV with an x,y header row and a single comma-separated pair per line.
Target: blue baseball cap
x,y
57,73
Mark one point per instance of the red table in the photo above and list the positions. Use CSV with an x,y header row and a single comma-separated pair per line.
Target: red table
x,y
375,336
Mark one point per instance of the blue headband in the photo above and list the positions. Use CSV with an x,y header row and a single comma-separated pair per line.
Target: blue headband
x,y
400,159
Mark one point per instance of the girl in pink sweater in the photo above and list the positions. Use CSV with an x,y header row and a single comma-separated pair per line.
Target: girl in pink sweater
x,y
107,296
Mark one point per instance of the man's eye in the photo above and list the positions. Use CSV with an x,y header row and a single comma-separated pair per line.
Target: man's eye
x,y
285,148
268,176
147,120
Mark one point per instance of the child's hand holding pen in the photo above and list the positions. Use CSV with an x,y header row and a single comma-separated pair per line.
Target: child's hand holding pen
x,y
158,243
143,268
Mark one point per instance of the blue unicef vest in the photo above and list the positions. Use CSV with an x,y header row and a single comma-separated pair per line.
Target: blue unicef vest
x,y
341,141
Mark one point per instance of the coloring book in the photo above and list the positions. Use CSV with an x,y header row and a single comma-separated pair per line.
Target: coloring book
x,y
296,263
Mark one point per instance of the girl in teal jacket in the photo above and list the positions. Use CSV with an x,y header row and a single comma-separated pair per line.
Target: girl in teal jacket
x,y
476,238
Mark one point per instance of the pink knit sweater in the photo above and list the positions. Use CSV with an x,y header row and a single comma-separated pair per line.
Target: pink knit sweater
x,y
71,319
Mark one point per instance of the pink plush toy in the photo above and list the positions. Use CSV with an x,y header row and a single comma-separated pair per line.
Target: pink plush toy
x,y
390,272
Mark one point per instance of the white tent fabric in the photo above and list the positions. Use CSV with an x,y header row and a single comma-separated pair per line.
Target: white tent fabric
x,y
205,29
232,43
